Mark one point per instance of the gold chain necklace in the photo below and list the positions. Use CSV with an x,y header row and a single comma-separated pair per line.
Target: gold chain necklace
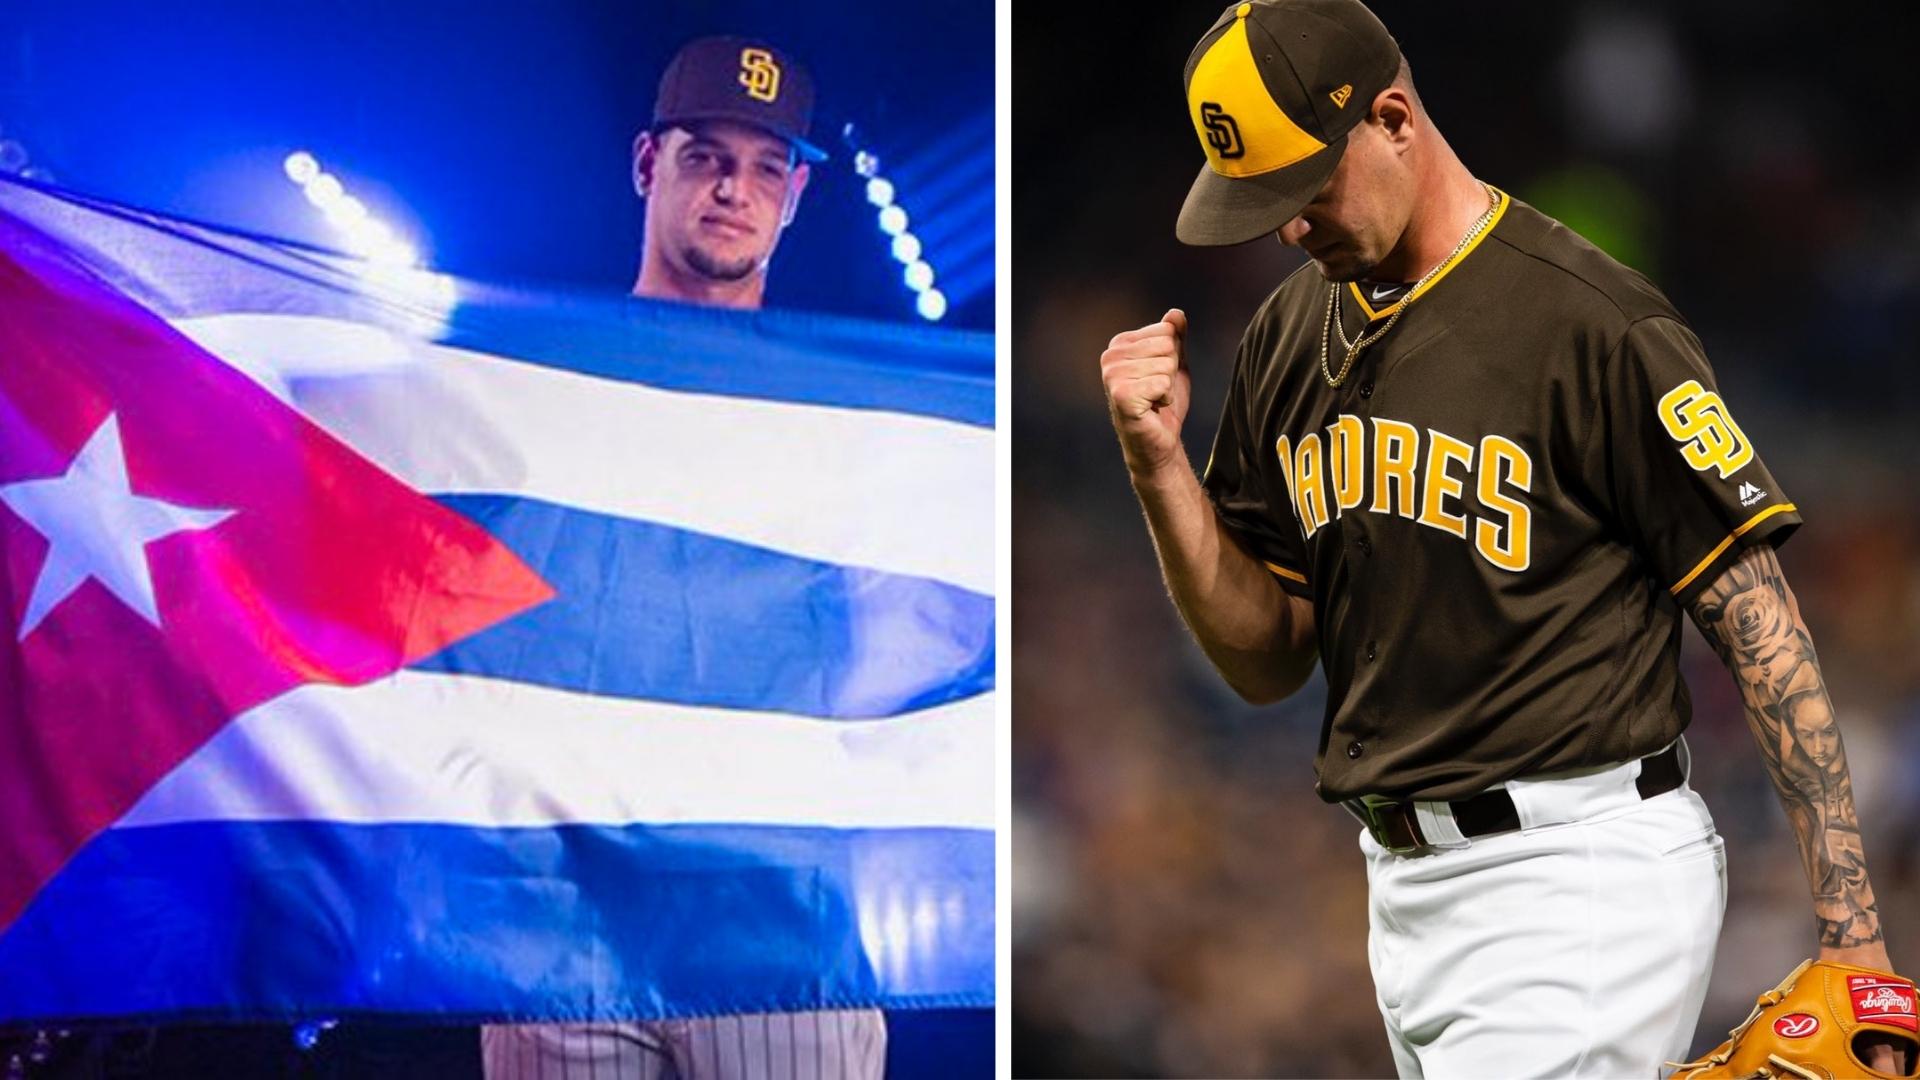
x,y
1334,320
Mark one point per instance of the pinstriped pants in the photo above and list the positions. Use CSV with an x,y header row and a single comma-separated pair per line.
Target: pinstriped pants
x,y
848,1044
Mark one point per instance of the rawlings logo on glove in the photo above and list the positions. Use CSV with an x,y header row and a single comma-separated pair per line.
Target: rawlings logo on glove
x,y
1806,1035
1888,1001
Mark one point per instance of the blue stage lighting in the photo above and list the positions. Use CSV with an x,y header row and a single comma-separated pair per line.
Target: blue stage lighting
x,y
346,212
362,233
880,191
919,275
893,220
906,247
931,305
396,253
324,190
301,167
866,164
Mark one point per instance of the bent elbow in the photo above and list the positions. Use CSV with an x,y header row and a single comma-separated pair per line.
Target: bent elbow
x,y
1263,691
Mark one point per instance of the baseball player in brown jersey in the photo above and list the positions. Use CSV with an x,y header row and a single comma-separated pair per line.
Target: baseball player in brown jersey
x,y
722,169
1480,470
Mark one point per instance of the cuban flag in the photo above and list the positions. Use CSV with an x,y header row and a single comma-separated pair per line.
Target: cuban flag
x,y
379,643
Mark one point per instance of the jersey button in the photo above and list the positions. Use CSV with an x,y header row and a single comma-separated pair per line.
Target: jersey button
x,y
1365,545
1355,749
1366,389
1372,650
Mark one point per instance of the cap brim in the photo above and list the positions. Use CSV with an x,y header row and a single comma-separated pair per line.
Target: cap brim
x,y
806,150
1224,210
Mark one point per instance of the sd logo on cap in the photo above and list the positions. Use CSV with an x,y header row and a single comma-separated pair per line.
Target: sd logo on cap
x,y
1268,89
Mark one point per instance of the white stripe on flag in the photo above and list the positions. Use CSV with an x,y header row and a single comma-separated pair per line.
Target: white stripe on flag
x,y
860,487
460,749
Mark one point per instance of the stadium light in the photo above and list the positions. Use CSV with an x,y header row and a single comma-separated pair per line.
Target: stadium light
x,y
905,247
301,167
361,233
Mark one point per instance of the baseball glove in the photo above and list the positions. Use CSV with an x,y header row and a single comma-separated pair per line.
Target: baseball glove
x,y
1813,1026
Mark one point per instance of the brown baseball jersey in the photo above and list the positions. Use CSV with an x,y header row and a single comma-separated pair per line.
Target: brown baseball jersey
x,y
1499,514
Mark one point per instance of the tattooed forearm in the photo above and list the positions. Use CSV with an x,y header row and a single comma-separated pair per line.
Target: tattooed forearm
x,y
1752,620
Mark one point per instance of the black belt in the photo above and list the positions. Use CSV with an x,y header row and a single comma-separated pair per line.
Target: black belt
x,y
1397,829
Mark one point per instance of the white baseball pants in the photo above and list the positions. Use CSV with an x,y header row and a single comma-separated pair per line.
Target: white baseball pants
x,y
834,1044
1579,945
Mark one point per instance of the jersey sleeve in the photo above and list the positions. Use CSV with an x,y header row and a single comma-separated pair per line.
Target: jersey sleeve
x,y
1252,501
1687,485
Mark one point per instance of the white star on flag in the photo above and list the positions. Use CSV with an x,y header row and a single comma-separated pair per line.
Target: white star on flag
x,y
98,528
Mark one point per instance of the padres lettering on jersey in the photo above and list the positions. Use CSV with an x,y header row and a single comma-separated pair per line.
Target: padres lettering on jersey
x,y
1324,480
1500,516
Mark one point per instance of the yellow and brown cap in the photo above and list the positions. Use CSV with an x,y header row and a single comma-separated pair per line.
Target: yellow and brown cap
x,y
1272,90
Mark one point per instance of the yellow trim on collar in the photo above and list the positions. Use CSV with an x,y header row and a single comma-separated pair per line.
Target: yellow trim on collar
x,y
1290,575
1446,268
1724,544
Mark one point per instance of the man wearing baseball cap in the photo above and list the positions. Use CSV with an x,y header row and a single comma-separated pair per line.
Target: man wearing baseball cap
x,y
722,169
1477,469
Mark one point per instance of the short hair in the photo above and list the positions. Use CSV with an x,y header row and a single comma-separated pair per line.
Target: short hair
x,y
1404,80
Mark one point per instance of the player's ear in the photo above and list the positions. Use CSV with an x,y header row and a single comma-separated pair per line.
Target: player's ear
x,y
1393,111
796,183
646,155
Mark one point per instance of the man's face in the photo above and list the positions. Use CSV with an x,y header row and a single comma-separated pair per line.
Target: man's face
x,y
1361,213
718,196
1814,729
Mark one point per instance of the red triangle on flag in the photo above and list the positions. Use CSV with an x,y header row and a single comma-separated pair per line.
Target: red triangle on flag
x,y
326,570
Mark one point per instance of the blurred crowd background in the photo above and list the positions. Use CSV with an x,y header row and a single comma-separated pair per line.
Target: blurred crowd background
x,y
1183,904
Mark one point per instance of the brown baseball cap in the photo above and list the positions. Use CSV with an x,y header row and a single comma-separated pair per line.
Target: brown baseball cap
x,y
743,80
1272,90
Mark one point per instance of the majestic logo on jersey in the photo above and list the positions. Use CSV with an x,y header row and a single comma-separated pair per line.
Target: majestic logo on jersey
x,y
1326,478
1223,132
1698,420
1749,494
1341,95
760,74
1796,1026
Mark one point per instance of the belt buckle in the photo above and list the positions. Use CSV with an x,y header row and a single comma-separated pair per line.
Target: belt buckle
x,y
1390,821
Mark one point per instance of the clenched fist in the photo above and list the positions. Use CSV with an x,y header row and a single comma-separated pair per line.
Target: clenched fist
x,y
1148,391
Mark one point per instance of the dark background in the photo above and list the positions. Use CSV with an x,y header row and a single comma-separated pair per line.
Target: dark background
x,y
496,136
1183,904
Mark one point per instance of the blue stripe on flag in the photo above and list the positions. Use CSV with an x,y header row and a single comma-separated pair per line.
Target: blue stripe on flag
x,y
781,355
279,919
651,611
